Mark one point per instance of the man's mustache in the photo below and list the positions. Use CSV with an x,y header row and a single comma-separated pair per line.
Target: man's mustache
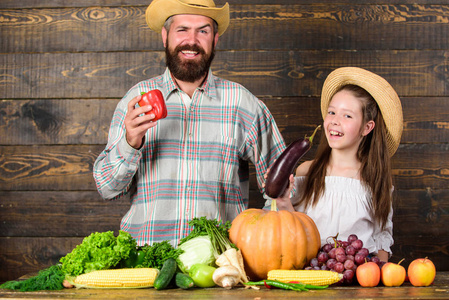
x,y
195,48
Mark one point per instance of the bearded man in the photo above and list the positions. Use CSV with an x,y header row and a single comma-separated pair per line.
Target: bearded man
x,y
194,162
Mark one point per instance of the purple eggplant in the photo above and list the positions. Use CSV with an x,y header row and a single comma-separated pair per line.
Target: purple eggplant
x,y
278,177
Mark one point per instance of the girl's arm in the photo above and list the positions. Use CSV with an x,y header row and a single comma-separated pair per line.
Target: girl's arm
x,y
303,168
384,237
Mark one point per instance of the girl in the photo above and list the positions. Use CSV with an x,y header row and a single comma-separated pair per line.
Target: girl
x,y
347,188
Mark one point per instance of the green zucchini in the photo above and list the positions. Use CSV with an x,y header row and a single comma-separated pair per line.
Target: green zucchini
x,y
183,281
168,270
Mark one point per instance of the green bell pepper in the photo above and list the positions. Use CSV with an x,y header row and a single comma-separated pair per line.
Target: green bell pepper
x,y
202,275
135,259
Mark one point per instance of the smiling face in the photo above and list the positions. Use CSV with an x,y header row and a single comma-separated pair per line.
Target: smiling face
x,y
189,46
344,124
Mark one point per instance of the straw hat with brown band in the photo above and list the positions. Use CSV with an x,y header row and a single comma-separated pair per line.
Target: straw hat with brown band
x,y
160,10
384,94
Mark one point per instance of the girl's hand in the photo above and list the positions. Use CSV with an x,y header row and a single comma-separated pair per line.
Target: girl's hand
x,y
283,202
137,123
383,255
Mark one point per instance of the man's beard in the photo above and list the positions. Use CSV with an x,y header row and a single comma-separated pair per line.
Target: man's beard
x,y
188,70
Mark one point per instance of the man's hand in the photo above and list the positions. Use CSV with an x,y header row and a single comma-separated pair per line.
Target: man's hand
x,y
137,123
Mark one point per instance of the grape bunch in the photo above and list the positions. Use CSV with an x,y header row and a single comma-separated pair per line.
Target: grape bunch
x,y
342,257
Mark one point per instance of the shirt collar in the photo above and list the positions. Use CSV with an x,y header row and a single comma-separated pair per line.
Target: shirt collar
x,y
170,84
208,86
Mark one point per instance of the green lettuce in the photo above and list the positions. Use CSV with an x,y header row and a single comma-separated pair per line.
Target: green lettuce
x,y
98,251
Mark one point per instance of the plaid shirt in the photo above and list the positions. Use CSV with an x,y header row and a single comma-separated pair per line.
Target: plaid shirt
x,y
193,163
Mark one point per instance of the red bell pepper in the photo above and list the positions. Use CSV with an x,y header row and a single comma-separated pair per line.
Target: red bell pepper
x,y
157,102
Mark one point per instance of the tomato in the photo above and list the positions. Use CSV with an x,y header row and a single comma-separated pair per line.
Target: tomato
x,y
157,102
202,275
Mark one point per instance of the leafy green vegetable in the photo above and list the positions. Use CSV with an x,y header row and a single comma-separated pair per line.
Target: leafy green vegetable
x,y
157,254
207,240
219,239
98,251
201,226
198,250
47,279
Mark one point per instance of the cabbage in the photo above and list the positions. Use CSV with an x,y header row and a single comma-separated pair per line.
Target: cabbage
x,y
197,250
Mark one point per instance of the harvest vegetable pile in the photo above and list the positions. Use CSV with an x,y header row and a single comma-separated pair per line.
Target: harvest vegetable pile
x,y
207,258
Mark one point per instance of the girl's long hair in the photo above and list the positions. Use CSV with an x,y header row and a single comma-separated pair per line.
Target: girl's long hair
x,y
375,172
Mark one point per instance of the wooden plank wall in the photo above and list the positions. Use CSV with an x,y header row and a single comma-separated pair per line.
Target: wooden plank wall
x,y
65,64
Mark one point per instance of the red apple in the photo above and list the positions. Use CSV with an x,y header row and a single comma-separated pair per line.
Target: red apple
x,y
393,274
421,272
368,274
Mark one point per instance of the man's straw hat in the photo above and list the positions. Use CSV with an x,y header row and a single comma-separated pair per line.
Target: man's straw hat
x,y
160,10
384,94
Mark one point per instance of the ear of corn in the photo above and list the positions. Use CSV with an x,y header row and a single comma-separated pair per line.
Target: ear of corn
x,y
117,278
314,277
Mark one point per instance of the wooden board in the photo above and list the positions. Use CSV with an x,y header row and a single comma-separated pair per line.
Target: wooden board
x,y
79,213
59,214
69,167
56,121
23,255
292,25
278,73
86,121
219,3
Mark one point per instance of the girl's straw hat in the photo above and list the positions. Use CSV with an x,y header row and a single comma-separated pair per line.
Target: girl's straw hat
x,y
160,10
384,94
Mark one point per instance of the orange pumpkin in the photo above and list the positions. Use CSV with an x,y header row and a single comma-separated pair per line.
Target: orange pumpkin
x,y
270,239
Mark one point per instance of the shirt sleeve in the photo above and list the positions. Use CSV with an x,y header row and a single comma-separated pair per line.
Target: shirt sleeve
x,y
384,238
265,142
116,165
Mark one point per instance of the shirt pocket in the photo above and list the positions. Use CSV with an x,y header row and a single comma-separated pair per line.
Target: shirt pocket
x,y
222,160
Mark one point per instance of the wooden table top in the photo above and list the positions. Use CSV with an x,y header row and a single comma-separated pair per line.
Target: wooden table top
x,y
439,290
